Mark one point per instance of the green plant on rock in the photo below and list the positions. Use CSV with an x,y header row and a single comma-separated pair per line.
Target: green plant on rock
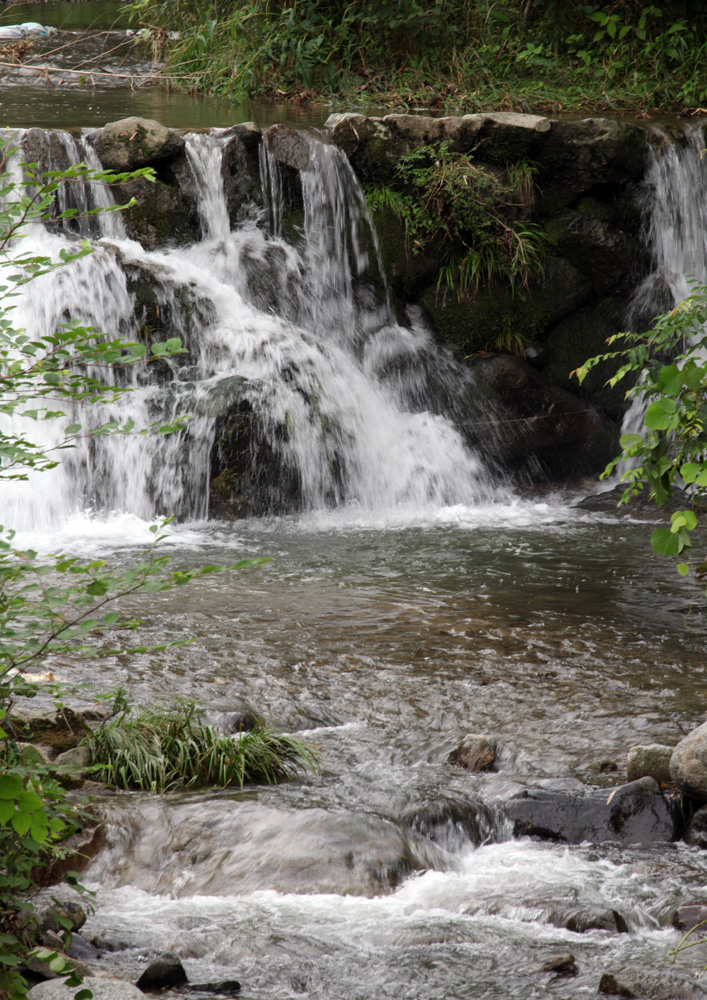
x,y
669,456
162,750
468,216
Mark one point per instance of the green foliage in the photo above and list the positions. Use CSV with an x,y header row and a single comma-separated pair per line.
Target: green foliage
x,y
670,454
467,214
519,54
160,751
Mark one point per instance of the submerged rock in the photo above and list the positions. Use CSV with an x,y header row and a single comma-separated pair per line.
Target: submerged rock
x,y
688,764
584,919
697,830
688,916
563,964
635,813
476,752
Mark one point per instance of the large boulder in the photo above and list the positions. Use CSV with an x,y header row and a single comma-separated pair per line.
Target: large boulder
x,y
486,319
688,764
240,169
534,421
651,761
635,813
132,143
601,251
102,989
370,144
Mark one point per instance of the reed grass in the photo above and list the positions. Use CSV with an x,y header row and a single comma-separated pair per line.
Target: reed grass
x,y
158,751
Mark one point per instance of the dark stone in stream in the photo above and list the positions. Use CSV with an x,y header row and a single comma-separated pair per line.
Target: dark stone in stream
x,y
635,813
610,986
227,986
563,964
166,970
688,916
476,752
79,947
579,921
697,830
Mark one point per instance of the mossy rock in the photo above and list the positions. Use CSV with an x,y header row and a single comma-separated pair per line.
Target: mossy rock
x,y
501,315
60,729
406,273
161,217
132,143
581,336
370,144
603,253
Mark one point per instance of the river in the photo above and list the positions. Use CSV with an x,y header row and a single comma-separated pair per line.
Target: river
x,y
427,600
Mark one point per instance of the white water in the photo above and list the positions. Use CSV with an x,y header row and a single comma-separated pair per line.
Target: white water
x,y
339,388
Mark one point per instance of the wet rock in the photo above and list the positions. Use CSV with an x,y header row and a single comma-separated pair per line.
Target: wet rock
x,y
605,254
41,969
538,421
453,822
486,320
651,761
564,964
77,758
635,813
506,137
610,986
165,971
240,169
60,729
579,921
370,144
79,947
132,143
288,146
64,916
576,156
697,830
227,986
77,852
52,940
164,214
476,752
102,989
688,764
688,916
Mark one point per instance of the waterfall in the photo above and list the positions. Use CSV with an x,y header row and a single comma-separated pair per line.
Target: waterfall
x,y
353,407
675,234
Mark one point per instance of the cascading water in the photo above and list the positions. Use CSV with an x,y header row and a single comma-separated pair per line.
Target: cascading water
x,y
336,385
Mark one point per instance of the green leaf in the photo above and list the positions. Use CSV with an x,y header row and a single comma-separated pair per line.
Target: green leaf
x,y
29,801
660,415
98,588
630,440
10,786
21,823
7,808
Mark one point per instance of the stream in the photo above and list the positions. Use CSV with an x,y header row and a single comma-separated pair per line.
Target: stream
x,y
417,598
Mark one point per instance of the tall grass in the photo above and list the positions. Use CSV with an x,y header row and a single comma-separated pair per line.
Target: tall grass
x,y
472,54
161,751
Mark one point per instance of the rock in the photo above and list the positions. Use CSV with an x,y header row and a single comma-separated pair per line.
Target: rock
x,y
651,761
60,729
536,422
476,752
227,986
579,921
76,759
165,214
32,754
482,322
165,971
688,916
77,852
506,137
610,986
288,146
576,156
635,813
40,968
52,940
688,764
605,254
132,143
697,830
240,169
102,989
79,947
370,144
564,964
65,916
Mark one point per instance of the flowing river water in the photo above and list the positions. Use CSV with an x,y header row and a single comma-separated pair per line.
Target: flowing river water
x,y
417,598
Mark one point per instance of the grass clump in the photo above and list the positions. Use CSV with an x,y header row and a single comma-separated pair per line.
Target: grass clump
x,y
157,751
468,216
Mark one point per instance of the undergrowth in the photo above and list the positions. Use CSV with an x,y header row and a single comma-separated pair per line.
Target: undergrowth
x,y
157,750
512,54
468,215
